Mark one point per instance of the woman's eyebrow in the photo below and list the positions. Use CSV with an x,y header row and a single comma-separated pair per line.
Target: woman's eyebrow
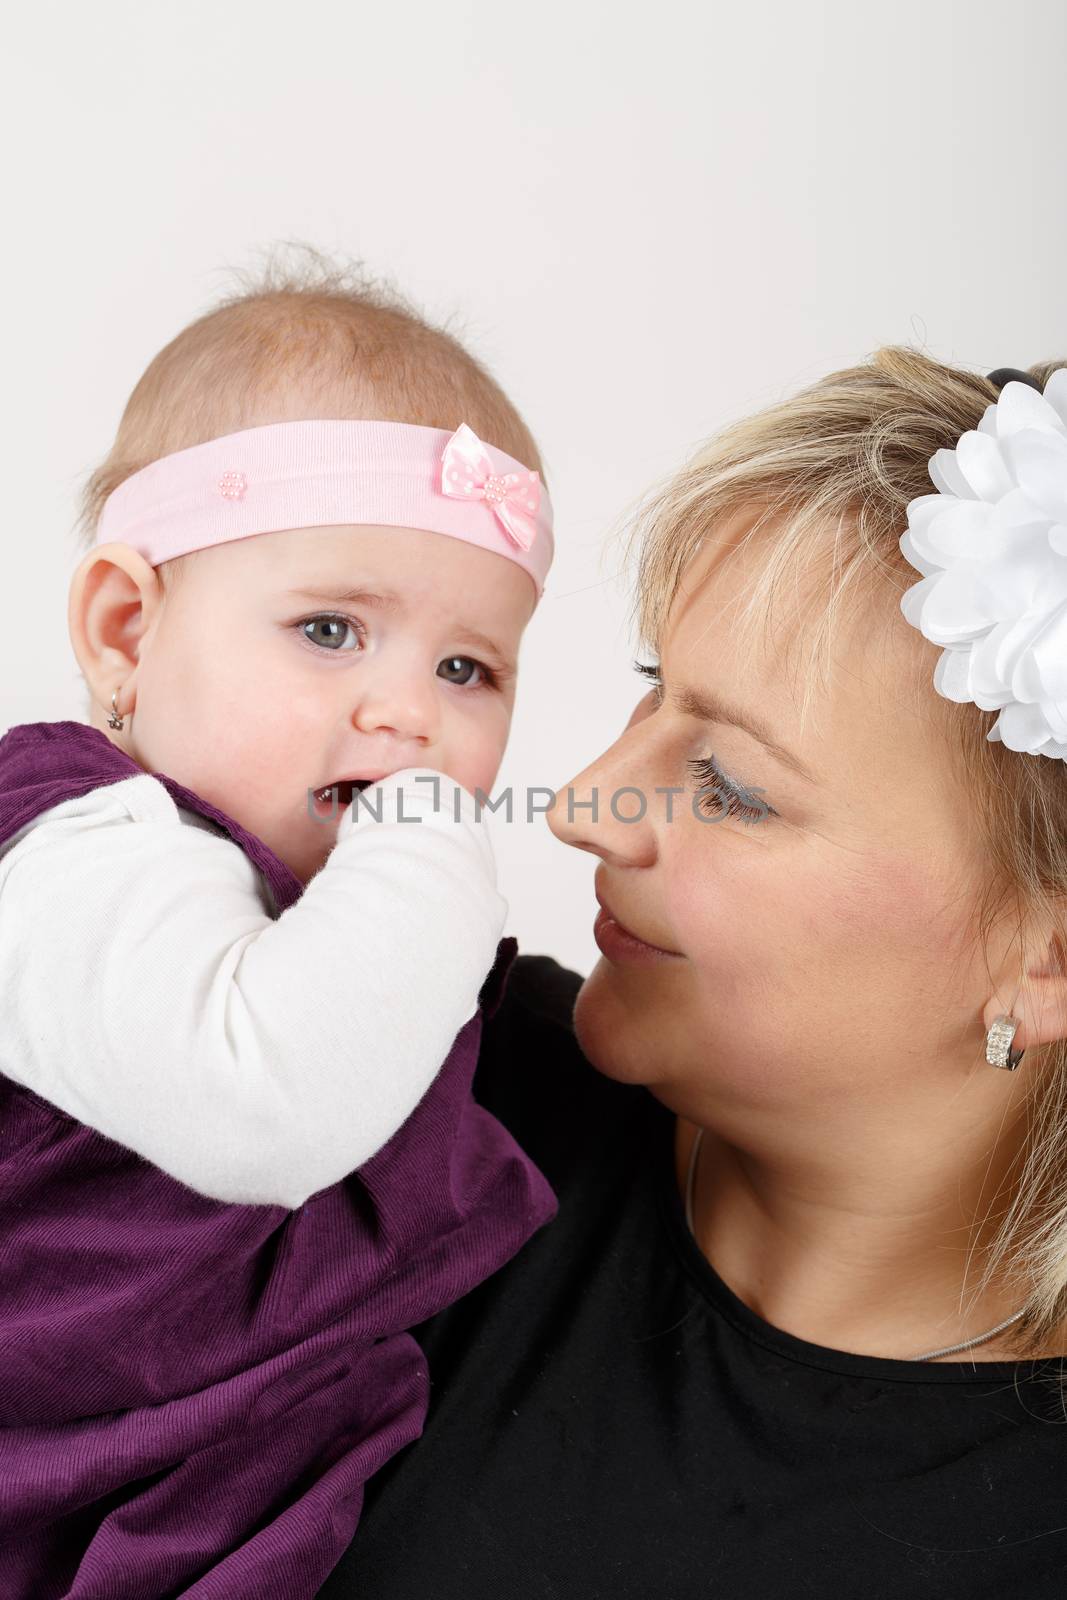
x,y
709,707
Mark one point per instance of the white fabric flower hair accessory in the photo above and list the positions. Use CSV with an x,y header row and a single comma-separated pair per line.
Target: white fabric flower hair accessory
x,y
992,547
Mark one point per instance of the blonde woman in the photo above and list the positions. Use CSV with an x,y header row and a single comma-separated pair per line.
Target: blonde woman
x,y
797,1328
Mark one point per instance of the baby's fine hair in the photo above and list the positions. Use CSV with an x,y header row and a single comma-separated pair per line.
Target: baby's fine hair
x,y
305,337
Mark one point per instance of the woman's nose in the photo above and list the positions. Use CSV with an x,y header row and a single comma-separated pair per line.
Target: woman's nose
x,y
606,808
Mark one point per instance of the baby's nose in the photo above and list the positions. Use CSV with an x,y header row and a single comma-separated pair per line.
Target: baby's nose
x,y
405,706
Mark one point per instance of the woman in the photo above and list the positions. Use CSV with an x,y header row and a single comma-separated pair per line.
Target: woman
x,y
842,1372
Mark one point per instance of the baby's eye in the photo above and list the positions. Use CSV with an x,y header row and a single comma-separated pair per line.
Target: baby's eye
x,y
337,624
458,669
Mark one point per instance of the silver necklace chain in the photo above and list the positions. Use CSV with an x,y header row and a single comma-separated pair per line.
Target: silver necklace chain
x,y
931,1355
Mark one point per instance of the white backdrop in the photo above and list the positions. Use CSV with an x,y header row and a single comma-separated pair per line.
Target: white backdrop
x,y
646,220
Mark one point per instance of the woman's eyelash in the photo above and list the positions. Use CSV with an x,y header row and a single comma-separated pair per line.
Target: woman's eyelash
x,y
650,673
710,779
731,797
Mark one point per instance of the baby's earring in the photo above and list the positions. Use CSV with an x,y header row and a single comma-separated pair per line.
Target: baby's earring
x,y
114,720
998,1051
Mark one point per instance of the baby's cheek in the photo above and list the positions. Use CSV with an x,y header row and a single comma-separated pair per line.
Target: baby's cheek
x,y
475,765
484,748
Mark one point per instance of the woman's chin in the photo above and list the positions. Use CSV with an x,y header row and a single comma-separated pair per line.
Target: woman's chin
x,y
617,1024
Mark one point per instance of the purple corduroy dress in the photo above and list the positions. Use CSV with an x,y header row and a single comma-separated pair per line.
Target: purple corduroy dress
x,y
193,1393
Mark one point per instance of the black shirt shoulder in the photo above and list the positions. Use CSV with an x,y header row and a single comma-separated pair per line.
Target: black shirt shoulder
x,y
538,986
609,1421
533,1076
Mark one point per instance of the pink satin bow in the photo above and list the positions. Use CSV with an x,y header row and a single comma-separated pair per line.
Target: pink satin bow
x,y
467,472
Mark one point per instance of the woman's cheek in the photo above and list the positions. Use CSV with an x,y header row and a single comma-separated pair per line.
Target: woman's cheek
x,y
881,895
740,906
713,913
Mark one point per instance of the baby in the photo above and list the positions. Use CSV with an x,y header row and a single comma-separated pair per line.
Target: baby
x,y
249,929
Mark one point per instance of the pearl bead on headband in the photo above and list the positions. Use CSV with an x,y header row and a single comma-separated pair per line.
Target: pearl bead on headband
x,y
992,547
326,474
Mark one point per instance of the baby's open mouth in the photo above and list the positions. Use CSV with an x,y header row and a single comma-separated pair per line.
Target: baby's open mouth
x,y
343,789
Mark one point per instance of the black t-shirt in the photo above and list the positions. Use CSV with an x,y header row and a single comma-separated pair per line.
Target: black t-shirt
x,y
608,1421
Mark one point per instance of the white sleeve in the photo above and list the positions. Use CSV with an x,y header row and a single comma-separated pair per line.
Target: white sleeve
x,y
149,993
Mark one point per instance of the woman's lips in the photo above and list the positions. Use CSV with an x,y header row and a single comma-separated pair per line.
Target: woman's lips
x,y
618,943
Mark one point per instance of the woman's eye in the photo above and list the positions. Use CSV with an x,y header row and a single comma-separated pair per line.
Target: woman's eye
x,y
721,795
337,624
651,676
459,669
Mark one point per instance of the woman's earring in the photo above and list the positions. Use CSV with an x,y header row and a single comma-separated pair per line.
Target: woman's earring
x,y
114,720
998,1051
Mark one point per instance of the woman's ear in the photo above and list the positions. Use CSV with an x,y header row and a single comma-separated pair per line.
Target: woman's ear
x,y
1038,999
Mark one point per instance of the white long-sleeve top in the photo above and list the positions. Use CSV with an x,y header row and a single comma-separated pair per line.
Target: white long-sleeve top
x,y
150,992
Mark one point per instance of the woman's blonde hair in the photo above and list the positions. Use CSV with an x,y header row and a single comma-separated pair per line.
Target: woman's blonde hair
x,y
828,474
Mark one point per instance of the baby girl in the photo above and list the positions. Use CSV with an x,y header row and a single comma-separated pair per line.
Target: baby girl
x,y
249,929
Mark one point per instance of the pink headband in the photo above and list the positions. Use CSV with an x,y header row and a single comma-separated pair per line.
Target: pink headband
x,y
327,474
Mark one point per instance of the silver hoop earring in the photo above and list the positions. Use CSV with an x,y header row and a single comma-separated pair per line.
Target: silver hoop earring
x,y
998,1051
114,720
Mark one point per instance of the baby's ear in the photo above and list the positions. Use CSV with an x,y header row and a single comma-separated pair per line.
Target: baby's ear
x,y
114,596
